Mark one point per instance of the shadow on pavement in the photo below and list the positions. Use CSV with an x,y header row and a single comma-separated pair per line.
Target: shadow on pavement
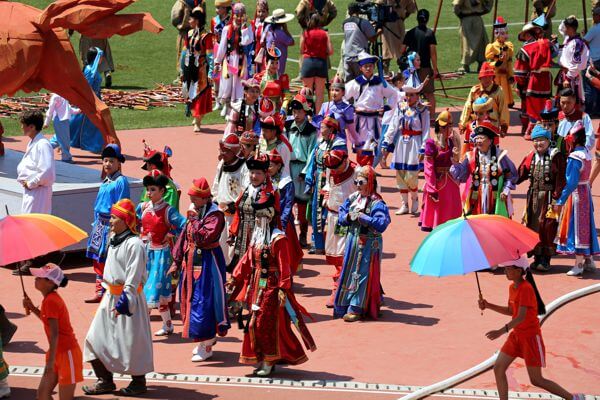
x,y
25,346
394,304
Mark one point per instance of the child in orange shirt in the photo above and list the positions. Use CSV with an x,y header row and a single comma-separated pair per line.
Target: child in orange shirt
x,y
64,361
525,339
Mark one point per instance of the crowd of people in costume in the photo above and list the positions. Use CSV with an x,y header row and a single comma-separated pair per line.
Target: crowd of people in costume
x,y
290,164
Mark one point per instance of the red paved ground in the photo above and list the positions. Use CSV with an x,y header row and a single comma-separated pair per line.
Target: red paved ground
x,y
430,329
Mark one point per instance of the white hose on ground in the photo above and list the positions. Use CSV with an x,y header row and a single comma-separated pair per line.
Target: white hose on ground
x,y
489,363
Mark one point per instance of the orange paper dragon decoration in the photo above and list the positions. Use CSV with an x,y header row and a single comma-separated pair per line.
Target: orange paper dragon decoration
x,y
35,51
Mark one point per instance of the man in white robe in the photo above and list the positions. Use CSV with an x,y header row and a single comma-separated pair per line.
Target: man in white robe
x,y
36,171
119,339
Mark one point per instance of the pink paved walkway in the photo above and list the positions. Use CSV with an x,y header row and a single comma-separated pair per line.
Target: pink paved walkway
x,y
430,329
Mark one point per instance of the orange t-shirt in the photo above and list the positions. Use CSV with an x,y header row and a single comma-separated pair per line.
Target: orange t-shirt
x,y
53,306
524,296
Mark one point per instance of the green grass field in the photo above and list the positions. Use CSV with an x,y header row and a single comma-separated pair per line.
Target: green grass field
x,y
142,60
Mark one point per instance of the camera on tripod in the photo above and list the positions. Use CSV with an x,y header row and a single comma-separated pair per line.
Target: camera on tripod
x,y
377,12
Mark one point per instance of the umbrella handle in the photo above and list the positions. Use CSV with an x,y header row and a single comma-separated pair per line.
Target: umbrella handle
x,y
479,288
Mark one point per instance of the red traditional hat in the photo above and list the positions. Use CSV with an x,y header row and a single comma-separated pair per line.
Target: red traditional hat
x,y
266,107
368,172
334,158
275,157
500,23
124,209
160,159
249,138
486,128
200,188
156,178
251,82
272,89
487,69
299,102
331,122
231,142
273,122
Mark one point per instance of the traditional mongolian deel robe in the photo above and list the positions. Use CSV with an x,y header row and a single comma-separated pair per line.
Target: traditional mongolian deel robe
x,y
576,227
369,96
532,72
499,115
411,125
263,283
242,224
197,68
503,68
315,179
283,147
122,343
472,31
340,185
230,53
84,134
573,61
566,122
202,285
242,117
359,287
441,193
303,139
114,188
171,196
230,181
546,175
158,220
344,115
37,168
487,176
285,188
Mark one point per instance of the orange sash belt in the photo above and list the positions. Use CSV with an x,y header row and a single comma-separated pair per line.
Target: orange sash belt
x,y
116,290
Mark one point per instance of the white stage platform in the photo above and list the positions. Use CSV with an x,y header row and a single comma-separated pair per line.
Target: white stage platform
x,y
74,192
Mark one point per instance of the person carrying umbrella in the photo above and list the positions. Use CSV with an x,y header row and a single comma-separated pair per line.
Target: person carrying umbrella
x,y
64,365
524,332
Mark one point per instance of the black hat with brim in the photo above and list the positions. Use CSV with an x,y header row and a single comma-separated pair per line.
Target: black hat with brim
x,y
112,151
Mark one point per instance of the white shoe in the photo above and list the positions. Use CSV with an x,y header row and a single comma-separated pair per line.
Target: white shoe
x,y
201,353
164,331
414,208
224,111
217,106
577,270
589,265
4,389
403,210
264,370
195,349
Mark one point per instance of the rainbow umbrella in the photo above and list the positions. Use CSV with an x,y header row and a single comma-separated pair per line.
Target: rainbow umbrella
x,y
471,244
26,236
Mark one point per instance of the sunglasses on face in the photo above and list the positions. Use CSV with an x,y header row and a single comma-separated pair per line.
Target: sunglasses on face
x,y
360,182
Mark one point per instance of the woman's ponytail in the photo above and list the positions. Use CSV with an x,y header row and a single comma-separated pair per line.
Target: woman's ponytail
x,y
540,303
